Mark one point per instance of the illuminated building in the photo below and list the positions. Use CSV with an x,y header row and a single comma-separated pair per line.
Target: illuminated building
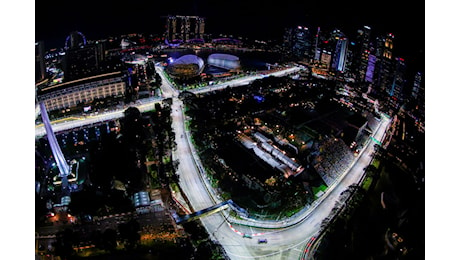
x,y
370,68
225,61
417,89
388,47
418,95
384,67
326,57
317,51
340,54
186,66
297,41
395,90
364,50
40,68
184,28
89,60
70,94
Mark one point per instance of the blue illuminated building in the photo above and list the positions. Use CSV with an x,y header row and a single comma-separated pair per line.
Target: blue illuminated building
x,y
340,54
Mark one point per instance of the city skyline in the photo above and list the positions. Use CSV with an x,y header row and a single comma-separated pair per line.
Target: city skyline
x,y
241,18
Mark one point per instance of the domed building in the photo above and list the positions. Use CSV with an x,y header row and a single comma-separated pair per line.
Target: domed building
x,y
187,66
225,61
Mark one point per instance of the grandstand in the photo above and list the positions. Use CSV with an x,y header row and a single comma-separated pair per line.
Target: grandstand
x,y
334,158
272,155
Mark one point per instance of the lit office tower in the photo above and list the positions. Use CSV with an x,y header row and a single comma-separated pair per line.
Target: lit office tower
x,y
340,53
184,28
171,28
40,69
81,62
297,41
363,48
418,95
388,49
385,64
199,28
370,68
317,50
417,90
395,90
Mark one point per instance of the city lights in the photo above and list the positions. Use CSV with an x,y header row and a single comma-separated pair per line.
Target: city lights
x,y
270,142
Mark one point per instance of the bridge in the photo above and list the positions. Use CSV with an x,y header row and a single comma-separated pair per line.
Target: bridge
x,y
209,211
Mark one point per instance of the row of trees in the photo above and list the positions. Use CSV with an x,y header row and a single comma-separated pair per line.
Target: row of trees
x,y
126,235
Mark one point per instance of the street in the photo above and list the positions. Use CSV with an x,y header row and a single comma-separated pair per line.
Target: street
x,y
287,238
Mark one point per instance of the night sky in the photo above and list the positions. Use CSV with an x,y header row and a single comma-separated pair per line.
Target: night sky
x,y
54,20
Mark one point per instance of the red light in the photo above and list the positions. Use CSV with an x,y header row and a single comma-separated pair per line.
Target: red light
x,y
326,42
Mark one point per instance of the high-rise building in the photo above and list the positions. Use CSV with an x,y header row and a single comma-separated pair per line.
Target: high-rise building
x,y
184,28
388,47
40,68
364,49
317,50
418,96
395,90
370,68
80,63
340,53
384,68
89,60
297,41
417,90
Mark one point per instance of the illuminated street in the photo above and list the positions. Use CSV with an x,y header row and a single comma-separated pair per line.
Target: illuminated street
x,y
289,237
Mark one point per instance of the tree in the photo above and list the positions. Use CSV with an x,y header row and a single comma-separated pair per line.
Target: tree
x,y
63,246
109,238
129,232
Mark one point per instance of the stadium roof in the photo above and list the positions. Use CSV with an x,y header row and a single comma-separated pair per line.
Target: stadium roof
x,y
223,56
190,59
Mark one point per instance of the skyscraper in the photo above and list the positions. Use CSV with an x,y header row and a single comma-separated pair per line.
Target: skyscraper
x,y
80,63
298,42
89,60
395,90
363,47
40,68
417,90
184,28
384,68
370,68
418,96
340,53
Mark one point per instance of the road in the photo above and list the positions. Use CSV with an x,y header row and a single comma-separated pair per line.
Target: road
x,y
283,242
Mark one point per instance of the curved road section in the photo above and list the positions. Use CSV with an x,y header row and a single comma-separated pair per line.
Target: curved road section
x,y
285,239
